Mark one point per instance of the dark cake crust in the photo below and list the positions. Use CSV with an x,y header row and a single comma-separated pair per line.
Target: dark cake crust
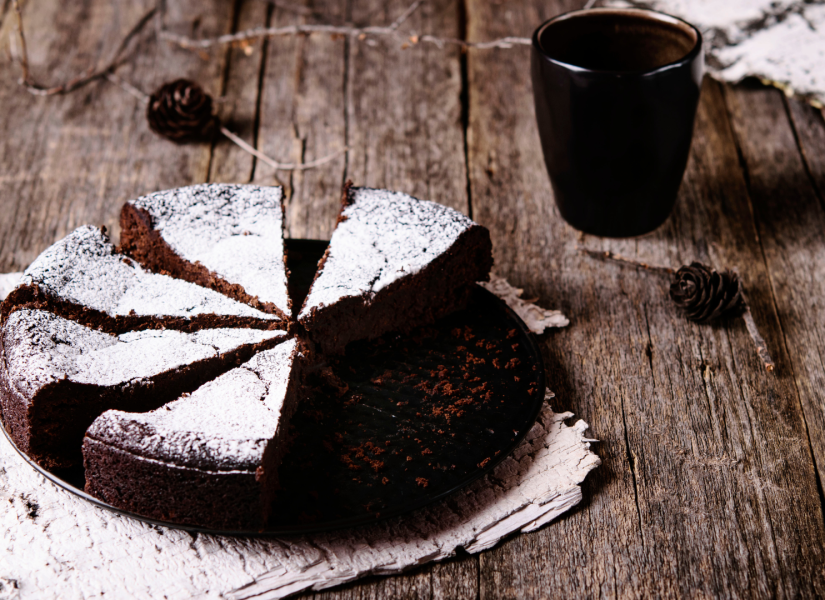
x,y
49,425
194,494
442,287
141,241
167,492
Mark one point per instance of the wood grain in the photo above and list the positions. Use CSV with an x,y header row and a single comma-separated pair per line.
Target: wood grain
x,y
240,91
303,117
788,211
70,160
712,468
403,123
698,496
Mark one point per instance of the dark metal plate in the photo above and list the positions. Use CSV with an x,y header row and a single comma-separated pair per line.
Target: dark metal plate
x,y
400,422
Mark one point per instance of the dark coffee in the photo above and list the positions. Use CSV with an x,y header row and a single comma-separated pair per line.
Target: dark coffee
x,y
616,92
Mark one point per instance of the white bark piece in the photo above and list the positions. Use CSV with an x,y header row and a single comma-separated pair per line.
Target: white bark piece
x,y
56,544
535,317
781,42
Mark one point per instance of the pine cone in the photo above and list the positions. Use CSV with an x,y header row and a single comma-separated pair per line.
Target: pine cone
x,y
181,111
705,294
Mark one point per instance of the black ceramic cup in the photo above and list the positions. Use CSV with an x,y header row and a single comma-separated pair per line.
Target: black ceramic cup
x,y
616,92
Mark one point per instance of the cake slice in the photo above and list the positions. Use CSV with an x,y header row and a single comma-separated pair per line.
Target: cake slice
x,y
210,458
393,263
57,376
83,278
225,237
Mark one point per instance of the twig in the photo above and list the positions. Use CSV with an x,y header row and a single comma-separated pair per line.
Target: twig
x,y
406,15
747,316
758,341
610,256
357,32
88,75
24,54
128,87
140,95
505,42
278,165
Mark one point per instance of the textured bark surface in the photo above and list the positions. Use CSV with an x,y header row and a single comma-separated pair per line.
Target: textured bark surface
x,y
778,41
712,468
59,545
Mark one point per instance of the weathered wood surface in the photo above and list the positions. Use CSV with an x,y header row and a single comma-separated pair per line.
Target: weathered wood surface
x,y
709,486
712,468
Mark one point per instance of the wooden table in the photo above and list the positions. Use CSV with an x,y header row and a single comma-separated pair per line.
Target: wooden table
x,y
711,483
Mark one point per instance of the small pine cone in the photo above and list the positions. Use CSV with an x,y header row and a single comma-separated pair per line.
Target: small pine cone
x,y
705,294
181,111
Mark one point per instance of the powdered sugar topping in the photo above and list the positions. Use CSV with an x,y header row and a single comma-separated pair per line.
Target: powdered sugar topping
x,y
383,236
235,231
42,348
225,424
84,268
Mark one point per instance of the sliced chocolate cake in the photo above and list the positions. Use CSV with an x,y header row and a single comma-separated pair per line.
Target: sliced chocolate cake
x,y
225,237
210,458
171,353
83,278
394,262
57,376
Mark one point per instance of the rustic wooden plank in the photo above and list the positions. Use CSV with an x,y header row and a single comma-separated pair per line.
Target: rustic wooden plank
x,y
303,118
74,159
404,106
598,549
809,129
696,494
238,106
412,586
790,216
400,112
457,578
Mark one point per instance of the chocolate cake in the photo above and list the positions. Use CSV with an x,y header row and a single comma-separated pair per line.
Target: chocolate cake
x,y
57,376
83,278
394,262
209,458
225,237
139,347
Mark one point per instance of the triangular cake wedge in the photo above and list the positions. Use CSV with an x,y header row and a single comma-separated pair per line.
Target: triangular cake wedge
x,y
222,236
210,458
394,262
57,376
83,278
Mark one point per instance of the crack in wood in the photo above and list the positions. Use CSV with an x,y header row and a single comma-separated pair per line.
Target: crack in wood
x,y
259,98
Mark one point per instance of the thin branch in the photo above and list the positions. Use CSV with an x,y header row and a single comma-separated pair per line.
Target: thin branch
x,y
758,341
610,256
357,32
747,316
89,74
144,97
406,15
24,54
505,42
278,165
128,87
